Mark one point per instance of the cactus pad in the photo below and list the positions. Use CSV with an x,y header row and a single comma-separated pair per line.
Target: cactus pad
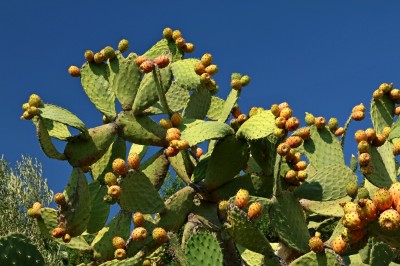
x,y
382,113
17,249
228,105
215,110
203,248
139,194
259,126
45,142
56,129
201,131
184,74
315,259
59,114
325,208
383,165
177,97
99,210
156,168
198,104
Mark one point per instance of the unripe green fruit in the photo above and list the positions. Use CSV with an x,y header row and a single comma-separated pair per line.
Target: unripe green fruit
x,y
166,123
333,124
33,213
206,59
234,123
176,34
25,106
123,45
35,100
89,55
109,52
275,110
183,144
236,84
223,205
32,110
245,80
27,116
110,179
362,193
309,119
352,189
236,76
363,146
188,48
167,33
74,71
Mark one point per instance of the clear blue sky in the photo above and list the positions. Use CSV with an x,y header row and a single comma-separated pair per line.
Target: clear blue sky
x,y
320,57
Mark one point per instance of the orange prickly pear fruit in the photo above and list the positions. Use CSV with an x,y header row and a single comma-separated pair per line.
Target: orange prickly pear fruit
x,y
320,122
286,112
389,220
140,59
199,68
176,34
367,210
315,243
171,151
161,61
58,232
245,80
382,199
338,244
33,213
349,207
360,135
242,198
371,134
236,84
358,115
188,48
199,152
176,119
139,234
160,235
338,132
294,141
255,210
283,149
292,123
394,191
147,66
167,33
138,219
119,166
74,71
120,254
353,221
206,59
212,70
364,158
59,199
114,191
37,206
89,55
133,161
180,42
66,238
118,242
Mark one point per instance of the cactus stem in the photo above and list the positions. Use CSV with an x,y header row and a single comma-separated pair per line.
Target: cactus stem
x,y
346,125
160,91
277,181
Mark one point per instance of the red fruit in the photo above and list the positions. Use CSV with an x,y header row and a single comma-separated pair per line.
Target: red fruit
x,y
119,166
160,235
199,152
389,220
292,124
255,210
338,244
367,210
161,61
118,242
140,59
242,198
294,141
133,161
139,234
147,66
138,219
382,199
394,191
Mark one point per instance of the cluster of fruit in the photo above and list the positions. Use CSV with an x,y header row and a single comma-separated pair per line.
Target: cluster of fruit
x,y
176,36
31,107
242,199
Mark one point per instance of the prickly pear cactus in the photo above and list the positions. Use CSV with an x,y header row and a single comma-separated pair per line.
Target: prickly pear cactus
x,y
260,188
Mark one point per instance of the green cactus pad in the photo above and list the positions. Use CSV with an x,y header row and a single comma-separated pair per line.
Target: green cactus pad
x,y
315,259
147,94
104,165
118,226
382,112
381,254
256,184
216,106
100,210
203,248
293,232
207,214
141,150
184,73
395,132
183,164
86,149
198,104
365,252
323,148
391,238
156,168
46,144
56,129
177,97
139,194
245,232
94,79
383,165
354,260
325,208
200,171
329,183
252,167
263,151
353,163
259,126
175,247
177,207
227,160
228,105
17,249
164,47
141,130
251,258
201,131
77,208
48,221
124,79
59,114
125,262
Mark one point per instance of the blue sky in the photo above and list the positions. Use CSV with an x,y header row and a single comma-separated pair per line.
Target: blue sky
x,y
319,56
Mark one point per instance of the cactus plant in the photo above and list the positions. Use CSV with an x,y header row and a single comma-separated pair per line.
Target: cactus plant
x,y
250,154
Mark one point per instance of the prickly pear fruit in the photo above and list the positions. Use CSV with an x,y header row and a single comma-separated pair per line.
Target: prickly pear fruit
x,y
275,110
320,122
166,123
338,244
180,42
353,236
212,70
236,84
66,238
303,133
394,191
59,199
138,219
367,210
245,80
359,108
315,243
58,232
119,166
35,100
37,206
352,189
114,191
109,52
333,124
338,132
377,94
389,220
236,111
146,263
291,176
160,235
386,131
188,48
120,254
283,149
171,151
292,123
385,87
223,204
147,66
286,112
360,135
358,115
133,161
366,169
364,159
183,144
294,141
309,119
118,242
176,119
167,33
199,152
349,207
206,59
302,175
139,234
109,200
199,68
382,199
161,61
352,221
242,198
110,179
255,210
98,58
379,140
33,213
363,146
74,71
176,34
89,55
396,148
123,45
